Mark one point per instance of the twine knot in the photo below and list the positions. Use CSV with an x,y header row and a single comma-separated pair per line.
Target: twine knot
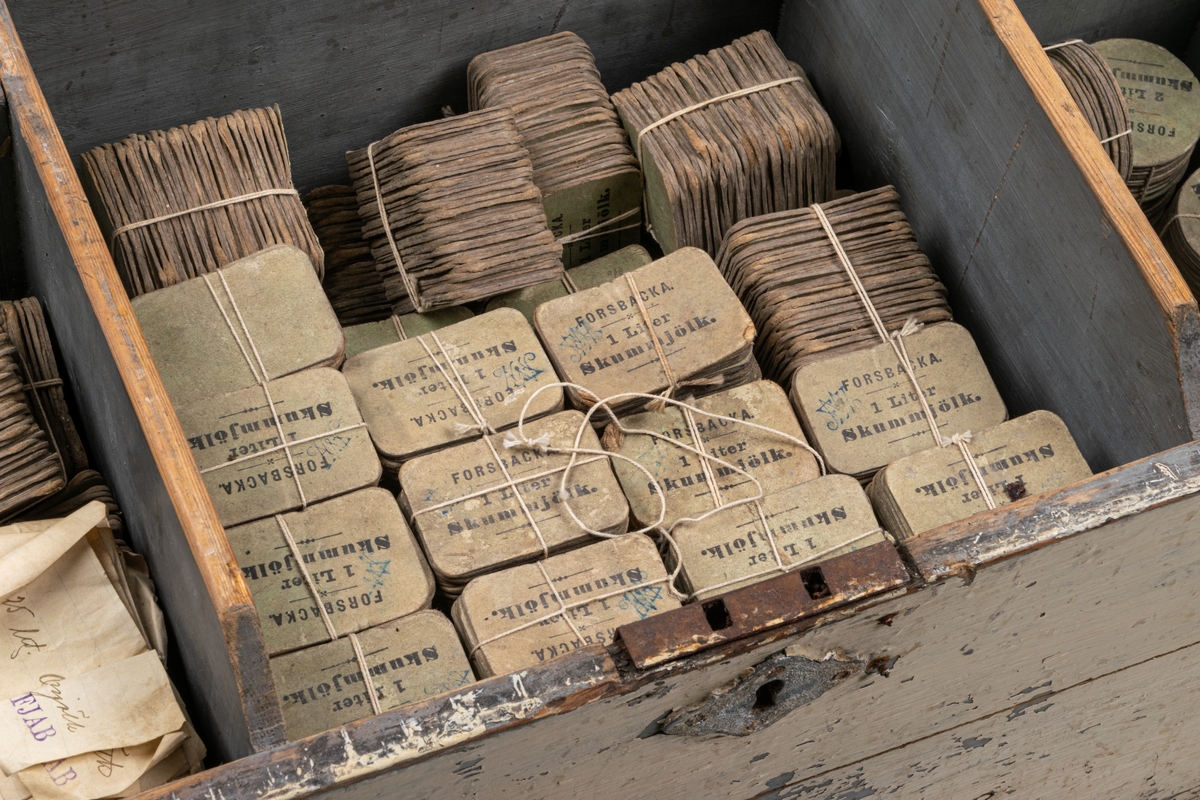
x,y
514,440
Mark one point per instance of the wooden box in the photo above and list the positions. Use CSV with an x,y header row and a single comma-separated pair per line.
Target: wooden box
x,y
1045,648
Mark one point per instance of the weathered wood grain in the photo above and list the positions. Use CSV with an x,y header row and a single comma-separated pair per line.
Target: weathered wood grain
x,y
1074,303
343,74
1166,22
135,437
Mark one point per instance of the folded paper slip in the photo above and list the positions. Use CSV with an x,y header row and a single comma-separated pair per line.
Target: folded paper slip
x,y
590,275
369,335
179,203
209,335
1016,459
80,675
1164,110
353,284
355,551
484,506
451,212
257,462
408,660
450,385
788,272
582,162
533,613
1098,95
727,135
861,409
29,467
808,523
25,325
673,326
723,426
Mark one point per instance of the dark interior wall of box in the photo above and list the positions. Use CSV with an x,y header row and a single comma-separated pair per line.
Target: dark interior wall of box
x,y
343,73
1165,22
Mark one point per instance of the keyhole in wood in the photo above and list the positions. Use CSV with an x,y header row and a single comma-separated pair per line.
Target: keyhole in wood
x,y
717,615
764,698
814,583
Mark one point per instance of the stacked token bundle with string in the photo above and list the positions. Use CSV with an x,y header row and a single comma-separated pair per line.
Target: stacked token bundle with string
x,y
727,135
451,212
1096,92
181,203
30,467
582,162
1181,232
352,282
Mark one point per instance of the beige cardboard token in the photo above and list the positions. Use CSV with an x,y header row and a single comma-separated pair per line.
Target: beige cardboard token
x,y
360,555
413,394
235,440
198,341
861,410
810,522
409,660
601,586
775,461
600,338
488,529
369,335
1022,457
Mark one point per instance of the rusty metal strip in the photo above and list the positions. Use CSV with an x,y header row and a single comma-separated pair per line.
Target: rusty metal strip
x,y
787,598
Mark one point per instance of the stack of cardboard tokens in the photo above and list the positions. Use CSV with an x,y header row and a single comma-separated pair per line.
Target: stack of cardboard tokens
x,y
1016,459
408,660
518,618
25,325
1181,231
180,203
785,269
29,467
369,335
1164,111
359,555
809,523
472,505
451,212
450,385
710,159
1096,92
354,285
86,486
208,334
590,275
582,163
681,480
672,326
257,462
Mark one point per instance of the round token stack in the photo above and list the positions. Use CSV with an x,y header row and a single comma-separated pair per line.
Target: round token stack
x,y
710,159
1098,95
788,275
1181,233
1164,109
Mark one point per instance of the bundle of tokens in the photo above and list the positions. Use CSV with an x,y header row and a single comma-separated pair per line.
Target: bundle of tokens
x,y
1096,92
352,282
451,212
482,506
30,469
582,162
1164,112
1181,231
788,274
25,325
1002,464
369,335
673,327
180,203
724,136
86,486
